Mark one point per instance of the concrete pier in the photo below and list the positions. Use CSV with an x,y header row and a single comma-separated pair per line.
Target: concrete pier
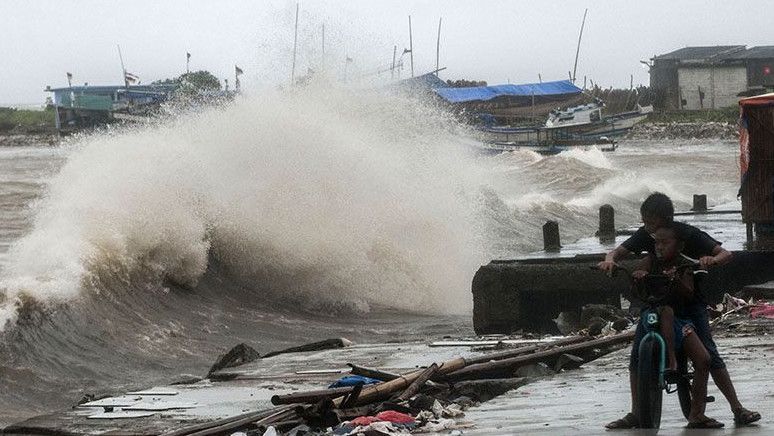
x,y
528,293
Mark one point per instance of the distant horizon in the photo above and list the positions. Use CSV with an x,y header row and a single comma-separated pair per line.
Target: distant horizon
x,y
496,41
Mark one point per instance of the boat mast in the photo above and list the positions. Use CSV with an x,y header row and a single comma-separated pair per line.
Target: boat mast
x,y
411,48
394,53
123,69
295,46
438,46
577,50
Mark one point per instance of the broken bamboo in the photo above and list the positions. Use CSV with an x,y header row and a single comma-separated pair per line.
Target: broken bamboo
x,y
523,350
480,370
375,392
309,397
373,373
417,384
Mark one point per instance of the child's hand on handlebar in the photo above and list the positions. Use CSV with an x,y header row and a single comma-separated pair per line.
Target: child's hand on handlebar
x,y
707,261
607,265
639,274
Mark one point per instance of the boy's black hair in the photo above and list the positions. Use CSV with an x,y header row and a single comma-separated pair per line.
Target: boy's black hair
x,y
658,205
679,236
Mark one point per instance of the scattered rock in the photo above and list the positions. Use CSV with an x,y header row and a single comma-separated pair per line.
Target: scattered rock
x,y
239,355
687,130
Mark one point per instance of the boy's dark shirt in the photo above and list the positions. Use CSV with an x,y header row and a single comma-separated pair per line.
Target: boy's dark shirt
x,y
697,245
697,242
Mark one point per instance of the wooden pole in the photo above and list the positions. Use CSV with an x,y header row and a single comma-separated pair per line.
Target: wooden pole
x,y
577,50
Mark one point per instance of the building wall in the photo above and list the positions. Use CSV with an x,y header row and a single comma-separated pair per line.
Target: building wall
x,y
711,87
663,82
760,72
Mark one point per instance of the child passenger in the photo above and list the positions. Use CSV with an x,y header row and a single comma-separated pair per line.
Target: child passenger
x,y
679,292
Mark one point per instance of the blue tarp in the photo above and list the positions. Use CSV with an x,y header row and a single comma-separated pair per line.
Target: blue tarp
x,y
484,93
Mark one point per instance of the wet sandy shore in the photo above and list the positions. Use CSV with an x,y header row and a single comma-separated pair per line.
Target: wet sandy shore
x,y
583,401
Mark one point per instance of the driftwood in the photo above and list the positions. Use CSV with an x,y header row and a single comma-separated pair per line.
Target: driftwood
x,y
284,414
229,423
417,384
372,393
327,344
373,373
310,397
498,367
523,350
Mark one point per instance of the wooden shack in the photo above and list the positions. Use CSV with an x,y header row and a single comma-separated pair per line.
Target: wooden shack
x,y
756,161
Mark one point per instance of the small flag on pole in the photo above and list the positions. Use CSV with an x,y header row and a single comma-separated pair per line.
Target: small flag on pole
x,y
131,78
238,71
70,79
187,56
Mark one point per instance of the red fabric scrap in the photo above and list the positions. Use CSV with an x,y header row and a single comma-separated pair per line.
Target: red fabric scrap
x,y
395,417
763,310
364,420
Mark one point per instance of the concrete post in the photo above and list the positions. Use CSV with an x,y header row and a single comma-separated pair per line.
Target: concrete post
x,y
551,236
606,222
699,203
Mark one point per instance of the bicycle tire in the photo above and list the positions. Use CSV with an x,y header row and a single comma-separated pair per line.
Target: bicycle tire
x,y
684,385
649,392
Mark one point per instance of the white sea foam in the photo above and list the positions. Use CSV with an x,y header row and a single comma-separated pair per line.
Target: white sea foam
x,y
321,193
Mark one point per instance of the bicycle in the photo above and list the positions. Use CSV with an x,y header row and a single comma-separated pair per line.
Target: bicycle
x,y
652,353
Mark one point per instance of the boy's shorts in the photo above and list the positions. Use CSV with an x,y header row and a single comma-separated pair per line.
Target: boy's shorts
x,y
681,328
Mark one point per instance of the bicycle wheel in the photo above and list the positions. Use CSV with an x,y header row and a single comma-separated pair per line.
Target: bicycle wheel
x,y
684,384
649,393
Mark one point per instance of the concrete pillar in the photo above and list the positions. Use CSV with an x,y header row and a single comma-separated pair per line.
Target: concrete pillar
x,y
699,203
551,236
606,222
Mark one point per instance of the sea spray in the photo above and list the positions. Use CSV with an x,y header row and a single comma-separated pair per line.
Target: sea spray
x,y
318,194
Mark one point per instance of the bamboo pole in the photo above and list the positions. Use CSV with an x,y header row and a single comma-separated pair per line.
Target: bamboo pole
x,y
476,370
242,419
522,350
417,384
310,397
283,414
375,392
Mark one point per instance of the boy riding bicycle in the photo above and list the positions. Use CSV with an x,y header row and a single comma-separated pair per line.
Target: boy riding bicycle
x,y
656,211
678,333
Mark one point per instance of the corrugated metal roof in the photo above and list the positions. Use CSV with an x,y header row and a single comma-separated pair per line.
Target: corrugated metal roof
x,y
112,88
760,52
700,53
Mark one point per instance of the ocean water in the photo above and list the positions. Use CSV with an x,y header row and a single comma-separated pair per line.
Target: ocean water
x,y
136,254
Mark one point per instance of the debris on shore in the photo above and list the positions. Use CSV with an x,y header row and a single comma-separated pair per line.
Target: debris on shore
x,y
371,397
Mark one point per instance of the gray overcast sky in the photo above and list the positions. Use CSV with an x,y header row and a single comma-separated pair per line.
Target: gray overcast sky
x,y
496,41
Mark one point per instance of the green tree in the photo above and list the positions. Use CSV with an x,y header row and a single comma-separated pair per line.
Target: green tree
x,y
193,83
